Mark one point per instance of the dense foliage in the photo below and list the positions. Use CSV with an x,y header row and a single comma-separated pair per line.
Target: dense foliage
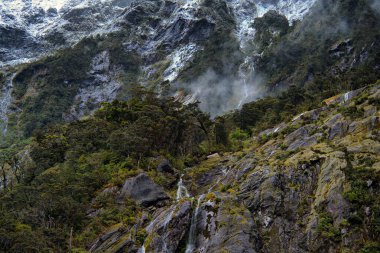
x,y
72,162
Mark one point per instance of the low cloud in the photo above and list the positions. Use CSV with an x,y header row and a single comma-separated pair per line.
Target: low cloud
x,y
376,6
219,95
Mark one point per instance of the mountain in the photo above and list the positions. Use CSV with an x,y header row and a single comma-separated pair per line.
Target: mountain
x,y
149,42
189,126
198,50
30,29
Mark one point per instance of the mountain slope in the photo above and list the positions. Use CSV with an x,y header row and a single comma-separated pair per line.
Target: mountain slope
x,y
189,126
309,184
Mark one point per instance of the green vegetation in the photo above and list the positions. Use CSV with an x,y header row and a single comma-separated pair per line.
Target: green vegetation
x,y
371,247
74,163
46,88
62,177
326,227
364,193
269,28
352,111
303,54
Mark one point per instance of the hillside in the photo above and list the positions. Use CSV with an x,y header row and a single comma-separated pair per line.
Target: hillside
x,y
137,175
198,126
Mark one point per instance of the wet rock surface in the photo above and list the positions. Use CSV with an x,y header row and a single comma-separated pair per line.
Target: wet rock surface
x,y
169,228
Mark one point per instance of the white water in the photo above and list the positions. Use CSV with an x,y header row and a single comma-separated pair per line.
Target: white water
x,y
142,249
168,218
246,94
346,96
193,227
5,101
182,190
246,70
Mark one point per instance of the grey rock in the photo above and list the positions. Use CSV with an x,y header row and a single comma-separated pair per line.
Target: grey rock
x,y
338,129
165,166
143,190
299,134
334,119
304,142
226,226
274,130
106,241
341,48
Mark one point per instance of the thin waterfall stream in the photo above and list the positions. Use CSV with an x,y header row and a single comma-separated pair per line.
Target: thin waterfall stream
x,y
5,101
182,190
193,227
245,71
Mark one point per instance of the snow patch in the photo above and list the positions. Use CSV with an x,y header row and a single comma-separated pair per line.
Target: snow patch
x,y
179,58
47,4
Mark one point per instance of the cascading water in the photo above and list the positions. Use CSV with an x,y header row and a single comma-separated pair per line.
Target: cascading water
x,y
346,96
182,190
246,95
246,70
193,227
5,101
142,249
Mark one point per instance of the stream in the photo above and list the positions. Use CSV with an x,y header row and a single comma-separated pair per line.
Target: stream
x,y
5,100
182,192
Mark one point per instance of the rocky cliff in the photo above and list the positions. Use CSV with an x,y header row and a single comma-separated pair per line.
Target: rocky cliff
x,y
308,185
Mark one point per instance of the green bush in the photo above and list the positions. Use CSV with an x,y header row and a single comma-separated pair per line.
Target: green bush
x,y
326,227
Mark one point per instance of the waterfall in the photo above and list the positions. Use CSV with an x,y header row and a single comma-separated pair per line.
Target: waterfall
x,y
246,95
5,100
346,96
168,218
142,249
193,227
182,190
245,71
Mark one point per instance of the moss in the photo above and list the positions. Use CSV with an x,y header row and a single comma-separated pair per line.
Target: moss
x,y
371,247
210,197
326,228
352,111
141,236
204,166
375,101
162,179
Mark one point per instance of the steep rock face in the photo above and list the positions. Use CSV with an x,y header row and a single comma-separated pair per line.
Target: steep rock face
x,y
270,198
225,226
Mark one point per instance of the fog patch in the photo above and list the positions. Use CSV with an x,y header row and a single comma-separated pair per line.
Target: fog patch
x,y
376,6
219,95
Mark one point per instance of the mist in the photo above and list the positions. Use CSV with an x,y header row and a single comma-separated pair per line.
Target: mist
x,y
376,6
219,95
